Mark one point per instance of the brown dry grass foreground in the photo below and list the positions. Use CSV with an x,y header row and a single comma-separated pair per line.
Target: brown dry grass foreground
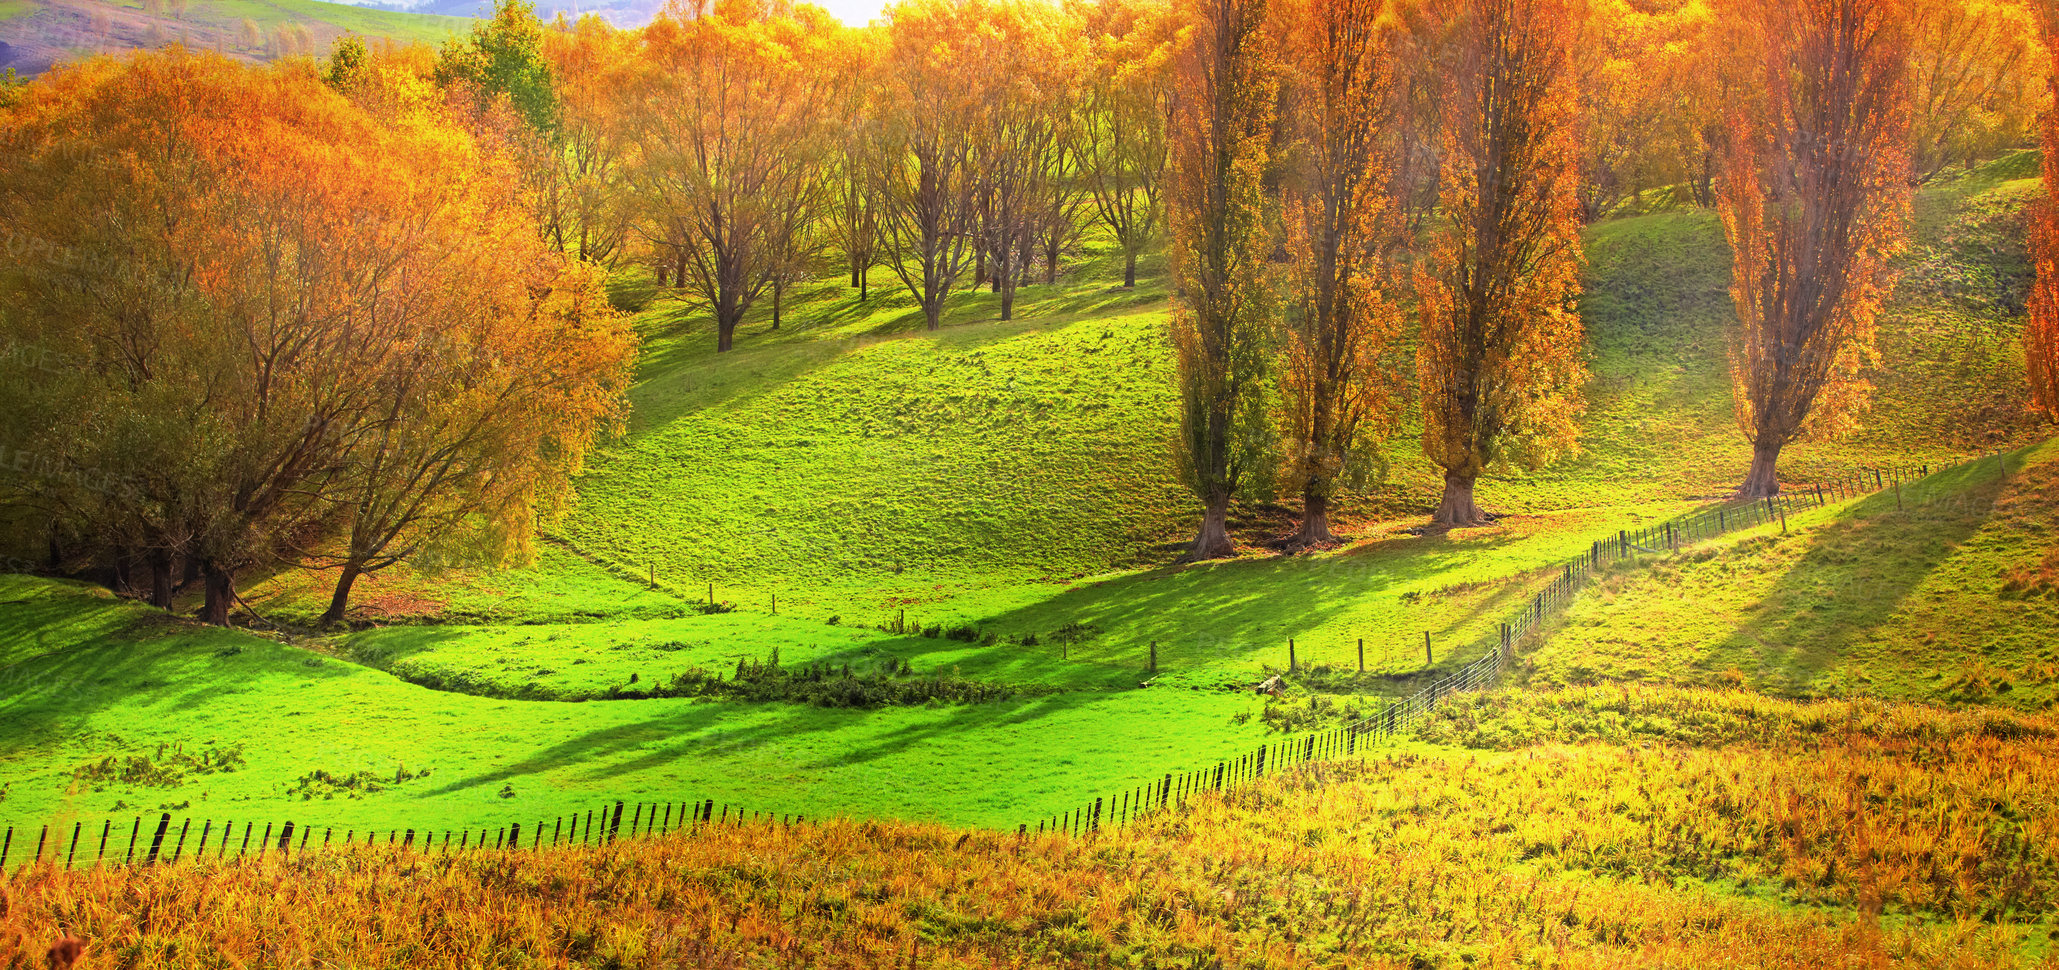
x,y
1601,827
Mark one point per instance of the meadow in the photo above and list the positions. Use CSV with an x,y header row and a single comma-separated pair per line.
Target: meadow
x,y
1580,828
912,501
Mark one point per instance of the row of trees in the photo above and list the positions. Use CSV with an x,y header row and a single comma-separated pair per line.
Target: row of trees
x,y
1324,150
737,146
254,319
970,143
1434,158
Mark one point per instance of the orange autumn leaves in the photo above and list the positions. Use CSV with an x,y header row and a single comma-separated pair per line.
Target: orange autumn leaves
x,y
307,328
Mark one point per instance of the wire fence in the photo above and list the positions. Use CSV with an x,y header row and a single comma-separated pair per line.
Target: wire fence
x,y
1569,578
165,839
148,842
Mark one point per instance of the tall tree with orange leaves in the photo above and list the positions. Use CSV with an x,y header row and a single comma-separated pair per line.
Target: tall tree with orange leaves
x,y
1341,227
2041,335
1222,130
1499,365
1815,202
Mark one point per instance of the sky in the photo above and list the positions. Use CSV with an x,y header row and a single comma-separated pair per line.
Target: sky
x,y
857,13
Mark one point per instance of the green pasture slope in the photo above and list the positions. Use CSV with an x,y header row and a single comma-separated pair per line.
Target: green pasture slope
x,y
55,30
1012,481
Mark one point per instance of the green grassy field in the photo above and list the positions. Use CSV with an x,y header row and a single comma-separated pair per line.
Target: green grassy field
x,y
1012,481
44,32
1942,594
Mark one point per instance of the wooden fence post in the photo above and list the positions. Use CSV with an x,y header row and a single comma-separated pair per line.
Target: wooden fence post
x,y
1290,655
1361,655
1429,659
164,822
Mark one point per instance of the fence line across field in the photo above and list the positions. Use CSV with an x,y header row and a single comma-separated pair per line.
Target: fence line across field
x,y
1573,575
162,842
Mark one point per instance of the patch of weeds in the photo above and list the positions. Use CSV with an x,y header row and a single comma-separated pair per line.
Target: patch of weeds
x,y
324,784
167,768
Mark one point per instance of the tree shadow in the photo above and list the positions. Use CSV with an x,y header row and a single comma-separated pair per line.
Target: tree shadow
x,y
1856,574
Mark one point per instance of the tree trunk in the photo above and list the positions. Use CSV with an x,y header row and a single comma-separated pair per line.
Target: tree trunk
x,y
1008,303
1129,271
1213,541
123,581
161,578
1458,509
1315,522
1764,479
933,314
725,334
778,297
1051,263
863,279
339,601
221,591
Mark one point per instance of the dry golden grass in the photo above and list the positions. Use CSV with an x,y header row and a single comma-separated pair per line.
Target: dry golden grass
x,y
1896,836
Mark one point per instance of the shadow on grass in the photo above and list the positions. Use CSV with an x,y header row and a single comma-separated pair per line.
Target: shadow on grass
x,y
1855,576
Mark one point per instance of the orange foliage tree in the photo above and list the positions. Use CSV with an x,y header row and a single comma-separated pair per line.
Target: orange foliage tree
x,y
726,119
925,177
1222,132
1974,80
2041,336
1121,138
1814,200
276,305
1341,227
1499,365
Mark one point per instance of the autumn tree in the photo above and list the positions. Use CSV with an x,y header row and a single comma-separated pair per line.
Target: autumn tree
x,y
852,214
1019,142
1499,365
1221,131
2041,335
1120,141
586,211
236,293
1814,201
925,177
727,130
1341,228
1974,85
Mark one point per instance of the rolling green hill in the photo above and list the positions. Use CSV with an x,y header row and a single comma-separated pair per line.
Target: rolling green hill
x,y
39,33
999,497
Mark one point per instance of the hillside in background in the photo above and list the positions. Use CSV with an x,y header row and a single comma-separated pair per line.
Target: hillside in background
x,y
899,521
852,466
34,34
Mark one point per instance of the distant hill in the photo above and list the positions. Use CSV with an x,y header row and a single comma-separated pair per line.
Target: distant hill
x,y
35,34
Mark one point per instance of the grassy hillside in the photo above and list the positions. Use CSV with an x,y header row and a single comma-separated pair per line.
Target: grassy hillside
x,y
988,509
1943,594
1732,844
854,466
39,33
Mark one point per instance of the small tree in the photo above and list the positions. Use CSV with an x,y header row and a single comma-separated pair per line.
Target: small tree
x,y
1814,201
923,165
1222,132
1499,364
